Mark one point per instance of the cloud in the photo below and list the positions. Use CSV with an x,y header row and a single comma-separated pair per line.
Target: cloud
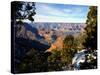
x,y
49,10
54,12
42,18
67,11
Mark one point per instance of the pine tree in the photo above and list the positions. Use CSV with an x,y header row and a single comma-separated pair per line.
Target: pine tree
x,y
22,10
69,48
91,29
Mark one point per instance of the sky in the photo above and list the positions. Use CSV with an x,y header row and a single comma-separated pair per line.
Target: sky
x,y
47,12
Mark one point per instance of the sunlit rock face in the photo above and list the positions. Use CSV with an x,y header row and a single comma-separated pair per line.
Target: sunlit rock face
x,y
49,33
57,45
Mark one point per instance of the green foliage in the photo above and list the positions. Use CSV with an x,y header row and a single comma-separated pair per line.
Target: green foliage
x,y
55,55
63,58
27,62
81,39
54,61
70,44
33,61
91,29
